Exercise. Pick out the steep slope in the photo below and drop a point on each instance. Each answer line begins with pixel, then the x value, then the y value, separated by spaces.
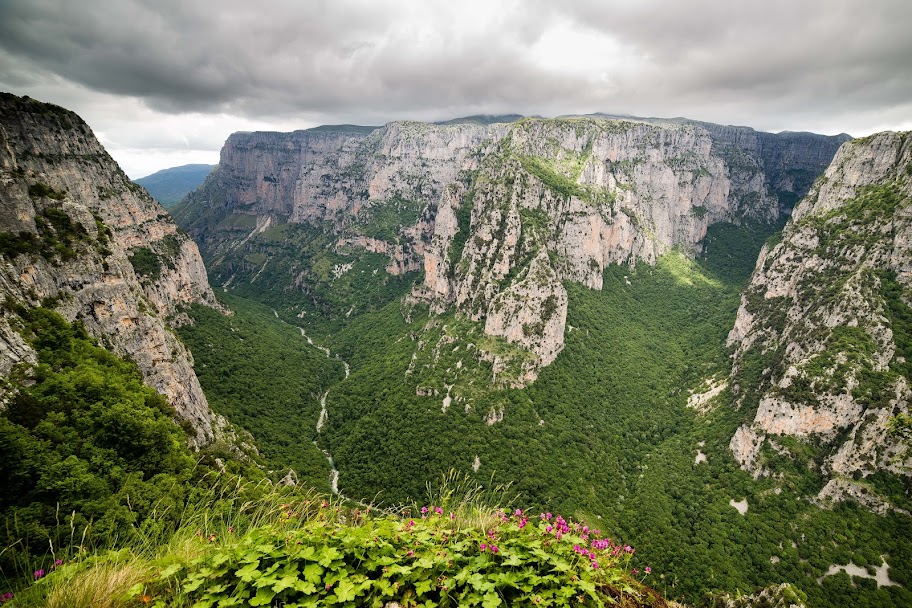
pixel 78 235
pixel 824 333
pixel 497 215
pixel 170 186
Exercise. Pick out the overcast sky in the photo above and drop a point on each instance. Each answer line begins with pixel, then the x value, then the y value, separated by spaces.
pixel 164 82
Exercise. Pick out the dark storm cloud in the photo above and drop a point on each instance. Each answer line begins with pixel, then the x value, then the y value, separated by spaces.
pixel 273 57
pixel 769 64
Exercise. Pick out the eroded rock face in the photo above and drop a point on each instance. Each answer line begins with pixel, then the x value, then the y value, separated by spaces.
pixel 480 208
pixel 578 195
pixel 820 318
pixel 86 221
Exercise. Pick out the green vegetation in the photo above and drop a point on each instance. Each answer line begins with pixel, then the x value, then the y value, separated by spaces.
pixel 562 184
pixel 146 262
pixel 39 190
pixel 305 277
pixel 265 545
pixel 62 118
pixel 464 224
pixel 383 220
pixel 87 452
pixel 58 237
pixel 432 560
pixel 261 374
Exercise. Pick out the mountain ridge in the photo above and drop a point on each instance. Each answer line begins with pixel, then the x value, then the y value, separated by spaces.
pixel 78 233
pixel 169 186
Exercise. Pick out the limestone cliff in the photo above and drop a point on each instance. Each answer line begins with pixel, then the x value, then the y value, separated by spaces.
pixel 497 215
pixel 563 199
pixel 343 177
pixel 77 234
pixel 822 337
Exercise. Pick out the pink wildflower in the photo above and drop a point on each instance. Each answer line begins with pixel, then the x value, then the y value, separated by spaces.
pixel 39 573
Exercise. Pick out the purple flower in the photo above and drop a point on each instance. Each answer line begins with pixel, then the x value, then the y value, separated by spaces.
pixel 494 549
pixel 595 564
pixel 59 562
pixel 424 510
pixel 548 528
pixel 438 510
pixel 6 596
pixel 39 573
pixel 482 546
pixel 648 569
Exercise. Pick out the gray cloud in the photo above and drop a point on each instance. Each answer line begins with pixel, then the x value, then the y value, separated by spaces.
pixel 829 65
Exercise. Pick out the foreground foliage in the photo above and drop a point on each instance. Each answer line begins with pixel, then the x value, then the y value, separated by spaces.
pixel 432 560
pixel 266 545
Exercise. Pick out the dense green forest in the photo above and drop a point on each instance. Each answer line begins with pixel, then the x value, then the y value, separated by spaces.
pixel 87 451
pixel 604 434
pixel 261 374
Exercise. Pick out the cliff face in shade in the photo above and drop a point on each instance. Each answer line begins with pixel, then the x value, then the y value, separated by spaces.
pixel 822 335
pixel 78 234
pixel 498 215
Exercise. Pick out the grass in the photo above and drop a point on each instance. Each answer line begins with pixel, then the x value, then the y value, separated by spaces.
pixel 265 544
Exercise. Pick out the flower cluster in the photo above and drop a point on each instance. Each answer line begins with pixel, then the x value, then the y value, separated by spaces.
pixel 559 527
pixel 6 597
pixel 432 509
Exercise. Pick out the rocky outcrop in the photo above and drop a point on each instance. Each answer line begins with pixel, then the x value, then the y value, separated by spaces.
pixel 498 215
pixel 563 199
pixel 78 235
pixel 822 335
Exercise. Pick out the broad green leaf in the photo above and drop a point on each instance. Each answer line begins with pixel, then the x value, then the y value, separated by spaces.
pixel 328 555
pixel 286 582
pixel 424 586
pixel 313 573
pixel 345 591
pixel 249 572
pixel 263 597
pixel 305 587
pixel 170 571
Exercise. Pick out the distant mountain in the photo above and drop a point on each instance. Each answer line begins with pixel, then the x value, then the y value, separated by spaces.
pixel 169 186
pixel 482 119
